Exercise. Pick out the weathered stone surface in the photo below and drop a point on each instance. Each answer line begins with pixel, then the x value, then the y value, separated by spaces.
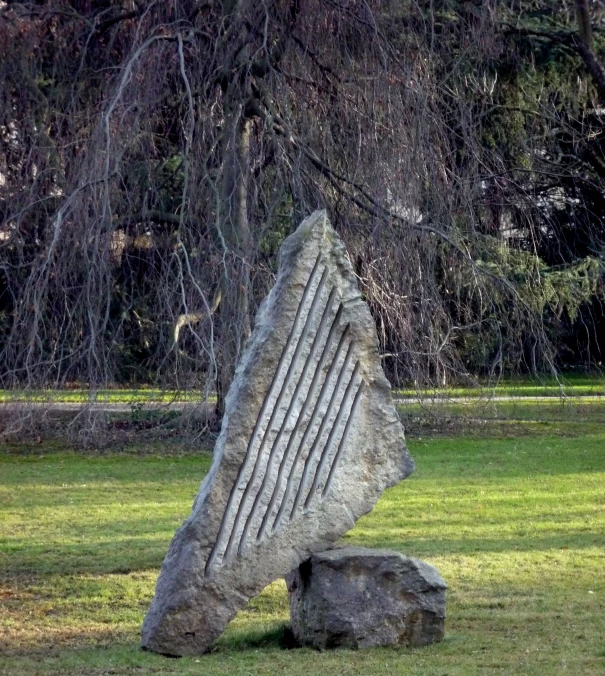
pixel 309 441
pixel 359 598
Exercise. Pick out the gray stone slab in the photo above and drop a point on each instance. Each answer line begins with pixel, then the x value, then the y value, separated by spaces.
pixel 354 597
pixel 310 439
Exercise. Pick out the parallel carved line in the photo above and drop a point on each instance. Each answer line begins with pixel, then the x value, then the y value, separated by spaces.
pixel 276 408
pixel 325 455
pixel 316 442
pixel 291 337
pixel 275 446
pixel 303 411
pixel 343 440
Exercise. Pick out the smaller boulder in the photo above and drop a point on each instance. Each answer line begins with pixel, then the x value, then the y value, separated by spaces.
pixel 353 597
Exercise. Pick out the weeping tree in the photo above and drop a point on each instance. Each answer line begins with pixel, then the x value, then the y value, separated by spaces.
pixel 154 156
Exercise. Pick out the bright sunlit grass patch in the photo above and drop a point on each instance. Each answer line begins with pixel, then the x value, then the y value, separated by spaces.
pixel 564 411
pixel 567 385
pixel 516 526
pixel 135 397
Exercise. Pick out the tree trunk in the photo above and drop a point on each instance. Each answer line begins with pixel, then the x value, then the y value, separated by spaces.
pixel 234 235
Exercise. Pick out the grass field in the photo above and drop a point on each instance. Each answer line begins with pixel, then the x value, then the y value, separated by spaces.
pixel 521 411
pixel 568 385
pixel 115 396
pixel 514 522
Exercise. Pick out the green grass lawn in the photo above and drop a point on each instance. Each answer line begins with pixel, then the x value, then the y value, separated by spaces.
pixel 515 525
pixel 562 411
pixel 115 396
pixel 568 385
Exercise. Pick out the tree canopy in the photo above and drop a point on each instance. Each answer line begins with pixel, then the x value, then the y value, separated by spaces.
pixel 154 155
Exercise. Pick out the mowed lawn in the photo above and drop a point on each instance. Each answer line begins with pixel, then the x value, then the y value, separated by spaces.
pixel 515 525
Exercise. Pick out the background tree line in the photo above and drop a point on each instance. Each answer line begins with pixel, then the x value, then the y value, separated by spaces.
pixel 154 155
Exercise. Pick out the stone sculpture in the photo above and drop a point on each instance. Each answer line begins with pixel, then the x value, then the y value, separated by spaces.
pixel 353 597
pixel 310 439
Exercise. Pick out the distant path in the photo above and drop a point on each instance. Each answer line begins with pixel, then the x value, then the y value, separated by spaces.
pixel 487 400
pixel 102 406
pixel 108 407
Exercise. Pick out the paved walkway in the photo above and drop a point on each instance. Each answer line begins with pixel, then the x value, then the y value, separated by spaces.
pixel 109 407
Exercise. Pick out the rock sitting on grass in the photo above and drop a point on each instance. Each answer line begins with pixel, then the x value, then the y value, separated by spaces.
pixel 310 439
pixel 361 598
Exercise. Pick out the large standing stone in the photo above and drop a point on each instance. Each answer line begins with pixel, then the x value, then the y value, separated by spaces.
pixel 360 598
pixel 309 441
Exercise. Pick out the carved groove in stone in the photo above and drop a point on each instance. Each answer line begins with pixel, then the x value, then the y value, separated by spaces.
pixel 343 440
pixel 302 380
pixel 327 450
pixel 317 453
pixel 264 410
pixel 276 409
pixel 308 401
pixel 316 442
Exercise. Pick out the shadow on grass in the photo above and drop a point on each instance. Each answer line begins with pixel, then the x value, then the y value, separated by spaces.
pixel 279 635
pixel 54 642
pixel 70 470
pixel 470 546
pixel 87 558
pixel 83 558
